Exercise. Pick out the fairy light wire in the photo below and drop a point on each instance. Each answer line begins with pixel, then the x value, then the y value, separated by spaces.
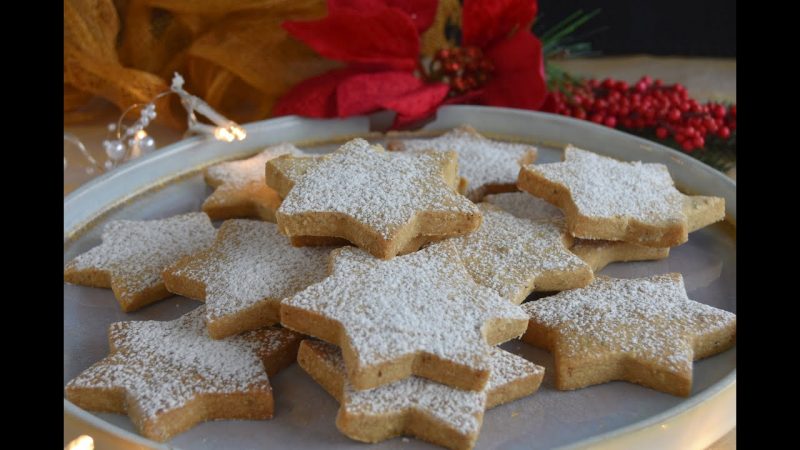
pixel 132 140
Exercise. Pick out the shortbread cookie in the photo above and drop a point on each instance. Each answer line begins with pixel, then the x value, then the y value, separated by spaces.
pixel 596 253
pixel 169 376
pixel 417 314
pixel 488 166
pixel 240 188
pixel 603 198
pixel 377 200
pixel 415 406
pixel 135 252
pixel 324 241
pixel 284 171
pixel 244 276
pixel 514 256
pixel 643 330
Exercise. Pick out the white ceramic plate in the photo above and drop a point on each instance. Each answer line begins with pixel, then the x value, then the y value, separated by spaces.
pixel 612 415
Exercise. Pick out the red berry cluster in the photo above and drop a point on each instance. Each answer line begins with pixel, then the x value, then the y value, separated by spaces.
pixel 463 68
pixel 647 104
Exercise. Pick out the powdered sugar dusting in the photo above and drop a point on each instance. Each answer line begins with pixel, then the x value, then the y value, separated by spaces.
pixel 647 318
pixel 237 174
pixel 136 252
pixel 525 206
pixel 507 368
pixel 461 409
pixel 481 161
pixel 603 187
pixel 420 302
pixel 251 262
pixel 508 254
pixel 380 189
pixel 163 365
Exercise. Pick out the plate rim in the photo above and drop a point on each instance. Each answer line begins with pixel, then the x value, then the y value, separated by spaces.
pixel 687 406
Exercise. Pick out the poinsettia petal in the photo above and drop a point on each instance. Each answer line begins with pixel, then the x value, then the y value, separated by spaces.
pixel 314 97
pixel 485 22
pixel 418 104
pixel 399 91
pixel 366 92
pixel 549 104
pixel 468 97
pixel 518 80
pixel 421 12
pixel 383 38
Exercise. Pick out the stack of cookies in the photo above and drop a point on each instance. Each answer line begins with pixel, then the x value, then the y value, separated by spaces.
pixel 391 277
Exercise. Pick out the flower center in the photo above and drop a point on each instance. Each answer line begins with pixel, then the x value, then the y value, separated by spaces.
pixel 463 68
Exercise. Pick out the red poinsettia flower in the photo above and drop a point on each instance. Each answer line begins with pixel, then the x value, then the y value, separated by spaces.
pixel 501 28
pixel 379 41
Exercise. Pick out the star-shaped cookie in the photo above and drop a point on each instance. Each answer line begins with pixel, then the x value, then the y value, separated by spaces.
pixel 643 330
pixel 603 198
pixel 240 190
pixel 515 256
pixel 169 376
pixel 135 252
pixel 415 406
pixel 245 274
pixel 379 201
pixel 419 314
pixel 488 166
pixel 597 253
pixel 281 175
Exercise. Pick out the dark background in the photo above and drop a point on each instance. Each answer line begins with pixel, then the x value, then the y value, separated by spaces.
pixel 658 27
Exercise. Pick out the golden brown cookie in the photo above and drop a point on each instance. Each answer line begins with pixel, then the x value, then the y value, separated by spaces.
pixel 281 174
pixel 417 314
pixel 415 406
pixel 515 256
pixel 643 330
pixel 603 198
pixel 240 190
pixel 379 201
pixel 488 166
pixel 169 376
pixel 244 276
pixel 596 253
pixel 135 252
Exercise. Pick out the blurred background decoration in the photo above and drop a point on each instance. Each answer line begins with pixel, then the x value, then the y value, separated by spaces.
pixel 233 53
pixel 238 56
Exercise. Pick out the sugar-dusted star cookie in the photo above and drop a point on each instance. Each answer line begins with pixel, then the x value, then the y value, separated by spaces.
pixel 596 253
pixel 284 171
pixel 135 252
pixel 488 166
pixel 603 198
pixel 245 274
pixel 379 201
pixel 417 314
pixel 515 256
pixel 240 190
pixel 643 330
pixel 169 376
pixel 415 406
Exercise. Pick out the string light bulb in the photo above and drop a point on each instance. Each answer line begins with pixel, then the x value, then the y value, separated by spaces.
pixel 82 442
pixel 230 133
pixel 132 141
